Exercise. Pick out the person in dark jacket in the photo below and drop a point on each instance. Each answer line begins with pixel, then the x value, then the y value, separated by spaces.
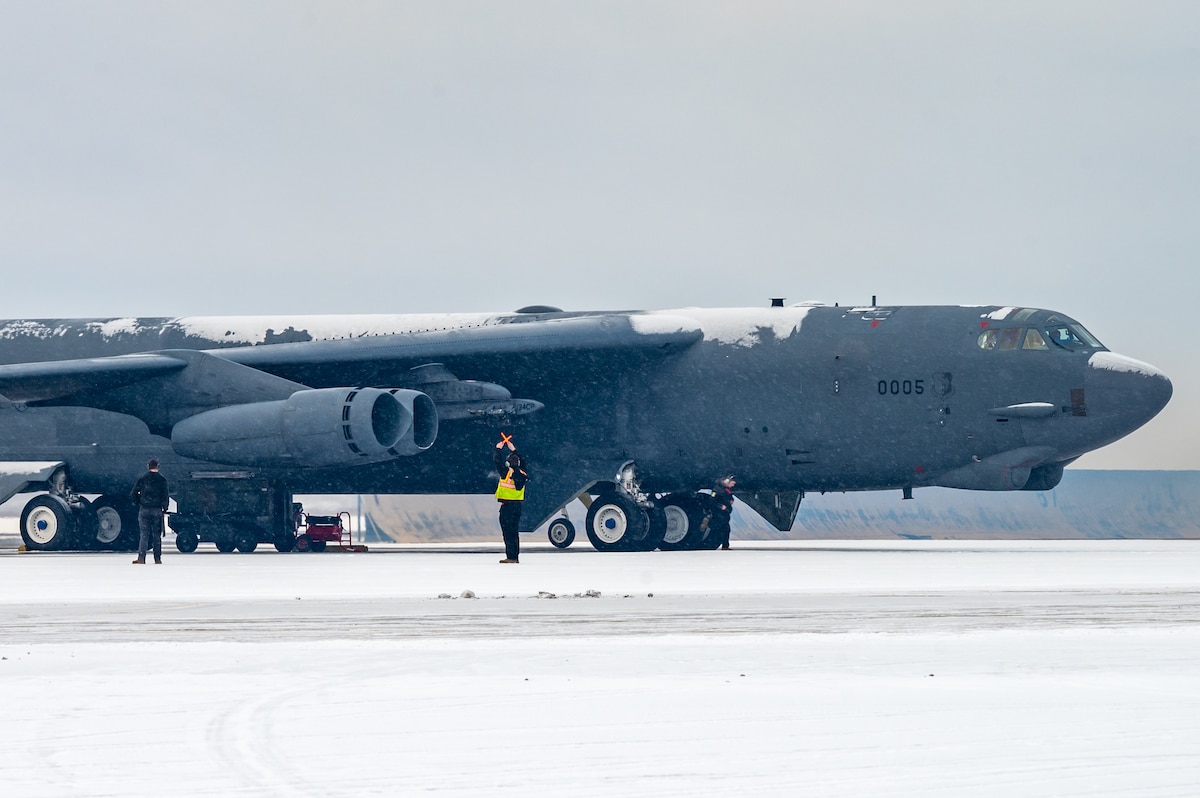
pixel 510 492
pixel 151 495
pixel 722 509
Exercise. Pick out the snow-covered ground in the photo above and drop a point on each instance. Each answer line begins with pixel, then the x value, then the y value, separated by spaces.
pixel 804 668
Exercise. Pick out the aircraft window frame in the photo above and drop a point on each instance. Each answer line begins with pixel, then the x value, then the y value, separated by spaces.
pixel 1024 314
pixel 988 339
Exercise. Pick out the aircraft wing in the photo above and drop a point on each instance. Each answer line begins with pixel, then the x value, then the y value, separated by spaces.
pixel 163 387
pixel 16 476
pixel 36 382
pixel 375 360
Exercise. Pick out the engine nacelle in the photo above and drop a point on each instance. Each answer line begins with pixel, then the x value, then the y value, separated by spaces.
pixel 1005 471
pixel 1045 477
pixel 424 422
pixel 314 428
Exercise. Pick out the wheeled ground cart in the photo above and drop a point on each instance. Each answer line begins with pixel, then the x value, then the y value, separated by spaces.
pixel 315 532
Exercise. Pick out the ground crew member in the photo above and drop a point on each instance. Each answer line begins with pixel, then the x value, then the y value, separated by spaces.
pixel 510 492
pixel 722 509
pixel 151 496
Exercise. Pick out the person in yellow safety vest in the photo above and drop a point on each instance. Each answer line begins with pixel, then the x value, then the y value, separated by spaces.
pixel 510 492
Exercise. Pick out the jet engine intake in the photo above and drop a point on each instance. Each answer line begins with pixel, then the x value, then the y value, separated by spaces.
pixel 313 428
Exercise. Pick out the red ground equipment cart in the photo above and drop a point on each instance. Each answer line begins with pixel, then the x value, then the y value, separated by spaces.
pixel 314 532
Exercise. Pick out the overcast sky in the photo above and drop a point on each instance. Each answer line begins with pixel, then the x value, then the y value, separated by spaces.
pixel 258 157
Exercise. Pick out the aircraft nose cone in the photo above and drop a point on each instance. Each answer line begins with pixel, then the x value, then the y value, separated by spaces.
pixel 1128 391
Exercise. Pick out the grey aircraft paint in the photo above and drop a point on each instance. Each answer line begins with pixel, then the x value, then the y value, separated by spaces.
pixel 640 410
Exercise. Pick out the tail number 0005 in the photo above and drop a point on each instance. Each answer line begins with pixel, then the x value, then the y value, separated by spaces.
pixel 901 387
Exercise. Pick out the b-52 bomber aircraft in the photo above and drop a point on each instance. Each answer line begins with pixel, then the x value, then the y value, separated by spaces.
pixel 634 412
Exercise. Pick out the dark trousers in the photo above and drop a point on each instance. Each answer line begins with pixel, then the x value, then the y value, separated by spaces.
pixel 719 528
pixel 150 522
pixel 510 527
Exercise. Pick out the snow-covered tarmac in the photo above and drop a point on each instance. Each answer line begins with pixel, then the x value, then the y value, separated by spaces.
pixel 866 668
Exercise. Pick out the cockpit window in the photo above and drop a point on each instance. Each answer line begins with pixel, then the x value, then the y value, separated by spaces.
pixel 1072 337
pixel 1034 340
pixel 1024 314
pixel 1009 339
pixel 1005 339
pixel 1092 341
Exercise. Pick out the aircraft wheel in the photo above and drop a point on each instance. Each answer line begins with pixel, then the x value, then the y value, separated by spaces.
pixel 225 546
pixel 109 522
pixel 684 518
pixel 86 528
pixel 285 543
pixel 318 545
pixel 47 523
pixel 303 543
pixel 561 533
pixel 616 523
pixel 116 523
pixel 186 542
pixel 245 541
pixel 656 531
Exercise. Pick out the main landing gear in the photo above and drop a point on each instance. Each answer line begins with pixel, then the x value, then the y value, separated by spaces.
pixel 624 517
pixel 62 519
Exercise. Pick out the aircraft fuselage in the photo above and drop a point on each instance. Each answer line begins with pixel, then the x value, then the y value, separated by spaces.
pixel 791 400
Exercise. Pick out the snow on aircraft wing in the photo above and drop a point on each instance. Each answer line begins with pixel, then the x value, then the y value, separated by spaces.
pixel 386 353
pixel 370 360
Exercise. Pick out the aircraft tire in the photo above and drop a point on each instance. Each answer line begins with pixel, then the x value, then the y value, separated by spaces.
pixel 245 541
pixel 186 542
pixel 116 523
pixel 561 533
pixel 225 545
pixel 47 523
pixel 684 517
pixel 657 529
pixel 285 543
pixel 109 521
pixel 86 528
pixel 616 523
